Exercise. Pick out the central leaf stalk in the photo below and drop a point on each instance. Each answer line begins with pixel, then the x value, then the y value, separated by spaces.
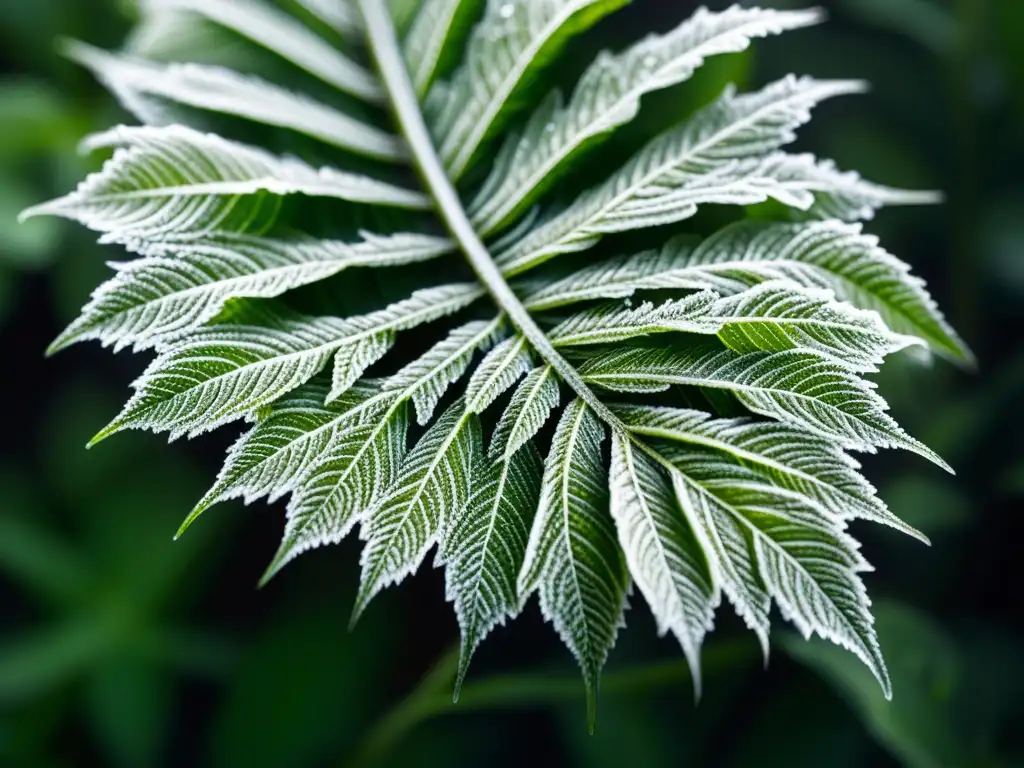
pixel 383 43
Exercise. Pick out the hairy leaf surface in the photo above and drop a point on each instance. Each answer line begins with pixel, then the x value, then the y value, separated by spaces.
pixel 416 400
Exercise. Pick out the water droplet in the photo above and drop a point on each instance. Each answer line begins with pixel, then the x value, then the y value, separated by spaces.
pixel 549 128
pixel 628 302
pixel 650 62
pixel 507 10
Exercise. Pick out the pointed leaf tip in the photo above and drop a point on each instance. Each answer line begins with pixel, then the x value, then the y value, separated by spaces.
pixel 591 708
pixel 201 507
pixel 281 559
pixel 112 429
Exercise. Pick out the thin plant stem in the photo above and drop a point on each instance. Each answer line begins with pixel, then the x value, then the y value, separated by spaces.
pixel 432 697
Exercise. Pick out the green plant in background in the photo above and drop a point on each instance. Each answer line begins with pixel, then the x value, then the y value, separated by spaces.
pixel 696 401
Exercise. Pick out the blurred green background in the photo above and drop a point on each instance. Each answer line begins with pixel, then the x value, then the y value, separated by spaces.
pixel 121 648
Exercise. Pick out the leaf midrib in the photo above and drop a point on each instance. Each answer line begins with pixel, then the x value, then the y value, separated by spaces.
pixel 600 124
pixel 471 143
pixel 383 44
pixel 524 262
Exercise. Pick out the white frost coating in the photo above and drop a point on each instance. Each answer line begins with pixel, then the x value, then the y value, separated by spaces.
pixel 612 323
pixel 177 184
pixel 484 546
pixel 503 49
pixel 432 485
pixel 819 255
pixel 797 387
pixel 665 555
pixel 608 96
pixel 531 406
pixel 573 559
pixel 718 156
pixel 425 41
pixel 280 448
pixel 180 287
pixel 283 35
pixel 779 315
pixel 340 487
pixel 220 373
pixel 223 90
pixel 789 458
pixel 431 375
pixel 497 373
pixel 805 561
pixel 374 332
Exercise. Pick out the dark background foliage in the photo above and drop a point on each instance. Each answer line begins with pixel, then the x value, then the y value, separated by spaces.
pixel 121 648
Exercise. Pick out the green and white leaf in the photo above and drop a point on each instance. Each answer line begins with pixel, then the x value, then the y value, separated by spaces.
pixel 367 338
pixel 156 298
pixel 484 547
pixel 788 457
pixel 718 156
pixel 693 505
pixel 573 559
pixel 828 255
pixel 177 184
pixel 612 323
pixel 283 35
pixel 511 43
pixel 357 465
pixel 500 369
pixel 281 447
pixel 779 315
pixel 223 90
pixel 429 40
pixel 222 372
pixel 796 387
pixel 728 547
pixel 608 96
pixel 529 410
pixel 664 550
pixel 838 194
pixel 431 487
pixel 807 564
pixel 340 15
pixel 429 377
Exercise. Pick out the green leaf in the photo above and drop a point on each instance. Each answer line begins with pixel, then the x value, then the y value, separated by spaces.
pixel 512 42
pixel 789 458
pixel 611 323
pixel 484 547
pixel 498 372
pixel 283 445
pixel 796 387
pixel 664 550
pixel 142 87
pixel 531 406
pixel 162 296
pixel 719 156
pixel 608 96
pixel 283 35
pixel 431 487
pixel 783 547
pixel 573 560
pixel 692 505
pixel 176 184
pixel 220 373
pixel 429 377
pixel 342 485
pixel 779 315
pixel 829 255
pixel 431 43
